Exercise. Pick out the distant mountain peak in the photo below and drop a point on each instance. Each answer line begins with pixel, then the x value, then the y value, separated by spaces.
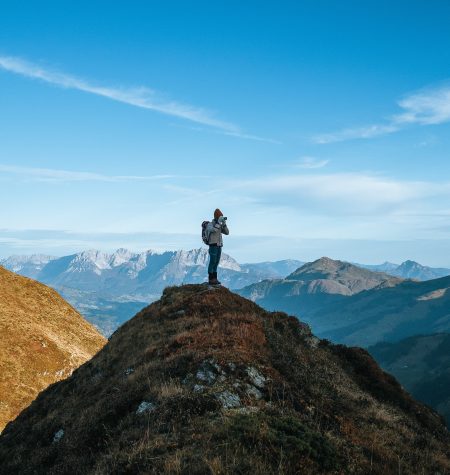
pixel 327 262
pixel 326 267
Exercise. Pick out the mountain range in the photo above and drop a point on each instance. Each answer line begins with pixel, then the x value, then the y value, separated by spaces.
pixel 205 381
pixel 323 283
pixel 409 270
pixel 43 339
pixel 110 288
pixel 143 274
pixel 350 305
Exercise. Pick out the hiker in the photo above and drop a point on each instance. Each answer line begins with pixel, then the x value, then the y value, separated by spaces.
pixel 215 229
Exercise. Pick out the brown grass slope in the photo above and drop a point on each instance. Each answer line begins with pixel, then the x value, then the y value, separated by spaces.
pixel 206 382
pixel 42 340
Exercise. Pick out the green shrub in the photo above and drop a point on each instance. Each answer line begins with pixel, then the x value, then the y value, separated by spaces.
pixel 283 437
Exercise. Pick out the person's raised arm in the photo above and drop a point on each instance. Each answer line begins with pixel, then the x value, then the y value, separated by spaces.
pixel 223 225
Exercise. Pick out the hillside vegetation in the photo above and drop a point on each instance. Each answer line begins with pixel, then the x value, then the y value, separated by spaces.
pixel 204 381
pixel 43 339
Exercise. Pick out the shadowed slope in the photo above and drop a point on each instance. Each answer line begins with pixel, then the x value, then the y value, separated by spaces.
pixel 206 382
pixel 388 314
pixel 422 364
pixel 43 339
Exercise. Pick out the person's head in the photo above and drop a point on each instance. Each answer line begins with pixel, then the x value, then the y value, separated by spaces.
pixel 217 214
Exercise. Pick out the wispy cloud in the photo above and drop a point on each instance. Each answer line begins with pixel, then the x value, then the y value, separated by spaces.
pixel 310 163
pixel 142 97
pixel 425 107
pixel 366 132
pixel 342 194
pixel 428 106
pixel 242 135
pixel 52 175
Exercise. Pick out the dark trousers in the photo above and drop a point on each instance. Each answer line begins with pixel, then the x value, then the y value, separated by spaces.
pixel 214 257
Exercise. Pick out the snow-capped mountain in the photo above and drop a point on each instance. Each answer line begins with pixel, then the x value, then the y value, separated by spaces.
pixel 146 274
pixel 108 288
pixel 29 266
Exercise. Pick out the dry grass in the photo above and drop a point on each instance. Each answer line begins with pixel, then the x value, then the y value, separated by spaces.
pixel 43 339
pixel 171 388
pixel 172 464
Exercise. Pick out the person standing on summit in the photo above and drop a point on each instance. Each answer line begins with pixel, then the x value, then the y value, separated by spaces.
pixel 215 229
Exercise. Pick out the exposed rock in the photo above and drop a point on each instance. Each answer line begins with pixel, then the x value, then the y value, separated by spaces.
pixel 253 392
pixel 256 378
pixel 208 372
pixel 145 406
pixel 229 400
pixel 312 341
pixel 58 436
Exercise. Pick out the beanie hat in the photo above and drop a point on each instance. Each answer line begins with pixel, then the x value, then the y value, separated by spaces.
pixel 217 213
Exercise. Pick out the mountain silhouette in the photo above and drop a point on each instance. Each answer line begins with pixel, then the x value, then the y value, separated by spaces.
pixel 205 381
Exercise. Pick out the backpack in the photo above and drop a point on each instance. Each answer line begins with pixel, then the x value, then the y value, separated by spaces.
pixel 205 233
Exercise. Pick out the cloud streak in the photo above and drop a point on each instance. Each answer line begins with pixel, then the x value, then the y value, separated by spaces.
pixel 52 175
pixel 429 106
pixel 366 132
pixel 342 193
pixel 310 163
pixel 142 97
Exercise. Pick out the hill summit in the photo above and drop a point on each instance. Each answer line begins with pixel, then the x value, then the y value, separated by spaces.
pixel 43 339
pixel 314 286
pixel 339 277
pixel 204 381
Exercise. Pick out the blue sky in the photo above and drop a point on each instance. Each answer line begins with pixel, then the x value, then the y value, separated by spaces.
pixel 319 127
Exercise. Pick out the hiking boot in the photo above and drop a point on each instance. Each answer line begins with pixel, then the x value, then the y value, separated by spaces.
pixel 216 282
pixel 212 279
